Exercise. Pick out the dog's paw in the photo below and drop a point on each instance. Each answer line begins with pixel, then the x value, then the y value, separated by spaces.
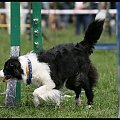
pixel 89 106
pixel 36 102
pixel 78 102
pixel 57 107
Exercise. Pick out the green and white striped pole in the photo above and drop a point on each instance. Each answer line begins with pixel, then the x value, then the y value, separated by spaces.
pixel 37 31
pixel 118 37
pixel 13 91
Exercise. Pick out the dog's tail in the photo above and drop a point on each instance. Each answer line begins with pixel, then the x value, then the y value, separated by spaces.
pixel 93 32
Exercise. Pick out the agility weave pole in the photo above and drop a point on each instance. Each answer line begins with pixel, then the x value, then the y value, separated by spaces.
pixel 118 37
pixel 37 31
pixel 13 91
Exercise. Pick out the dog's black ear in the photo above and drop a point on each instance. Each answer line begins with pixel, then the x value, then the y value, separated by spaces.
pixel 58 55
pixel 77 45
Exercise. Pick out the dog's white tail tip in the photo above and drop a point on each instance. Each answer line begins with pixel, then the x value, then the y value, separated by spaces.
pixel 101 15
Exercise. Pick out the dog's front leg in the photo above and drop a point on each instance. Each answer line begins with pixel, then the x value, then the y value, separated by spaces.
pixel 41 93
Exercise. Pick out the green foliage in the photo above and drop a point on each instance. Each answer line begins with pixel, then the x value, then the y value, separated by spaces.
pixel 105 92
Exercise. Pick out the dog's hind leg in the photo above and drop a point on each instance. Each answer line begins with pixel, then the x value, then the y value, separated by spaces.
pixel 82 81
pixel 89 93
pixel 77 97
pixel 72 84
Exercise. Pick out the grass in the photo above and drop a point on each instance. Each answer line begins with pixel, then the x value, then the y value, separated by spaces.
pixel 106 91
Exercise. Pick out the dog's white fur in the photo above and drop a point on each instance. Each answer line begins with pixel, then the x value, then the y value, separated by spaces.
pixel 41 79
pixel 101 15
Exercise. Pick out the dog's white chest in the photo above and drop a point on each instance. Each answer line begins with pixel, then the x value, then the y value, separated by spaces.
pixel 36 82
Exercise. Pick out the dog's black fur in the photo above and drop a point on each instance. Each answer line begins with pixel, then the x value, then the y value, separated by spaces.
pixel 69 63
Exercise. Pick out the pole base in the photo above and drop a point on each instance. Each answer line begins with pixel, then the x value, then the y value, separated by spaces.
pixel 10 100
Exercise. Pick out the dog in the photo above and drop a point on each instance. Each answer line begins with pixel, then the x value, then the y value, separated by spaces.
pixel 66 64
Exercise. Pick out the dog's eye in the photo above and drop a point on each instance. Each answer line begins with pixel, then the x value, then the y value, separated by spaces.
pixel 11 65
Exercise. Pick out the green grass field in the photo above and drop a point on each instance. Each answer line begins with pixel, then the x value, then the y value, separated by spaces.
pixel 106 91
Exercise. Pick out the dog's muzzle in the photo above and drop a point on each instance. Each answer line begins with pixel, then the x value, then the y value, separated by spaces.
pixel 7 77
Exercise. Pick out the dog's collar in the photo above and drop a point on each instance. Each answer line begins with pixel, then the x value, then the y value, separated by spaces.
pixel 29 71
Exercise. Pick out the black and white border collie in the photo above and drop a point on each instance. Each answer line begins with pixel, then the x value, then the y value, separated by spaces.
pixel 67 64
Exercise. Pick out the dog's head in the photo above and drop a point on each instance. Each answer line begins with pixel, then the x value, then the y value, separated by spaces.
pixel 12 69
